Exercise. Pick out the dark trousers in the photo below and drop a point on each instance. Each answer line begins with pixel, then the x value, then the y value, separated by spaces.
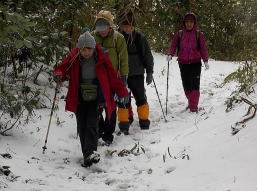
pixel 190 75
pixel 107 126
pixel 136 85
pixel 87 125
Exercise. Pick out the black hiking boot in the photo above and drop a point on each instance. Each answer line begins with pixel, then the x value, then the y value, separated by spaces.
pixel 91 159
pixel 107 142
pixel 125 131
pixel 144 124
pixel 124 128
pixel 108 139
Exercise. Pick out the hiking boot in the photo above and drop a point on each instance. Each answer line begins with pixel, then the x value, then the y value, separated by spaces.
pixel 124 127
pixel 107 142
pixel 144 124
pixel 91 159
pixel 101 142
pixel 194 110
pixel 125 131
pixel 108 139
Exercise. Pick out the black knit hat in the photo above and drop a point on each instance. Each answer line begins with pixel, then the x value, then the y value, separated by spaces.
pixel 125 17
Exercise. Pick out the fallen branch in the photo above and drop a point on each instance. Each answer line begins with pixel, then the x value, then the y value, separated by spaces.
pixel 18 118
pixel 251 106
pixel 251 115
pixel 4 170
pixel 37 74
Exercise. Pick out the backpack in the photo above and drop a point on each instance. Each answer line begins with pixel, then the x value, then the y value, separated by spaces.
pixel 115 43
pixel 180 32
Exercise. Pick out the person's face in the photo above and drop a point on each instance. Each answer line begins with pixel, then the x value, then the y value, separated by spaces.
pixel 189 23
pixel 87 52
pixel 128 29
pixel 104 33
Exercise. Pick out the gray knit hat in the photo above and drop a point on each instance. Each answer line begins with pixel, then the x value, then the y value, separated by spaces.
pixel 86 40
pixel 101 25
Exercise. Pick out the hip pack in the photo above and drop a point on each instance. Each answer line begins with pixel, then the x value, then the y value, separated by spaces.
pixel 88 91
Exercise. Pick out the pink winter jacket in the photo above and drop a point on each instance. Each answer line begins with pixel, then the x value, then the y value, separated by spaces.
pixel 189 52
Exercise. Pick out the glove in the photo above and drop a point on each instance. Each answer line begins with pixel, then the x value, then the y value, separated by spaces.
pixel 149 78
pixel 124 100
pixel 124 79
pixel 168 58
pixel 57 78
pixel 206 65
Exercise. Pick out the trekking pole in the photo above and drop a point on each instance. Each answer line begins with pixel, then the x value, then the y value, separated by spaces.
pixel 55 93
pixel 159 100
pixel 49 123
pixel 167 90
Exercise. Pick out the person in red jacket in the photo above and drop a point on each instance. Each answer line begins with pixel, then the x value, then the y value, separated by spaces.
pixel 92 79
pixel 191 48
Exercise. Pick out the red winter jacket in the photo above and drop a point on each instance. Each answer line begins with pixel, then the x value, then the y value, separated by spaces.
pixel 189 52
pixel 108 79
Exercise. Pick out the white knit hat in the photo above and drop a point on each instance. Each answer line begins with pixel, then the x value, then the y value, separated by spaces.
pixel 86 40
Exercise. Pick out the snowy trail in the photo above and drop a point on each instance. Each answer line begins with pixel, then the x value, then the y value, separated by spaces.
pixel 203 138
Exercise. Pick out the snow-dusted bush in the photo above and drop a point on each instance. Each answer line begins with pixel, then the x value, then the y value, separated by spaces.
pixel 246 78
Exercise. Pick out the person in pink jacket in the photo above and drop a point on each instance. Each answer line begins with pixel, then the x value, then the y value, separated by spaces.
pixel 191 48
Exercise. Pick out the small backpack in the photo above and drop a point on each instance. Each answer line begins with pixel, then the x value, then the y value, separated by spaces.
pixel 180 32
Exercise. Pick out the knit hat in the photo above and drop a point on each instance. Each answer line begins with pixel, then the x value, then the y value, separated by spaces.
pixel 86 40
pixel 101 25
pixel 106 15
pixel 125 17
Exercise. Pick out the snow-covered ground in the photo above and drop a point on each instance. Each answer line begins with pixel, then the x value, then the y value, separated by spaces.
pixel 189 152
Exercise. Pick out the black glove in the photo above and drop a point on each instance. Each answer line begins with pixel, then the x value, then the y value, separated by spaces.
pixel 149 78
pixel 124 79
pixel 57 78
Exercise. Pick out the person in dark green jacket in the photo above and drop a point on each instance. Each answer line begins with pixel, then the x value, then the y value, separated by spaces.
pixel 115 45
pixel 140 61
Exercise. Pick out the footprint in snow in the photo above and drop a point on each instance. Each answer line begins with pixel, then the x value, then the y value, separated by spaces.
pixel 60 167
pixel 73 136
pixel 123 186
pixel 35 181
pixel 64 150
pixel 111 181
pixel 63 140
pixel 170 169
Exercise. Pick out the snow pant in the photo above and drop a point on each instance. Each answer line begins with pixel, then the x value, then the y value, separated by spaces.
pixel 190 75
pixel 107 126
pixel 136 85
pixel 87 125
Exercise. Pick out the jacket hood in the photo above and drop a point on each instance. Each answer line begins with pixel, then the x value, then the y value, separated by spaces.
pixel 106 15
pixel 192 15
